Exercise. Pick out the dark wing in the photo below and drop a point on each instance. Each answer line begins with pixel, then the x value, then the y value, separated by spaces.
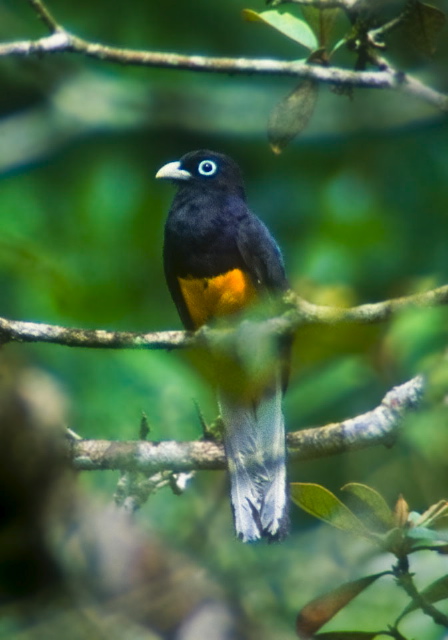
pixel 174 287
pixel 261 255
pixel 264 262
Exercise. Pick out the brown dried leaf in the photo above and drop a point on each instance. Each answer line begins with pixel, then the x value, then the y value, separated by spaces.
pixel 292 114
pixel 319 611
pixel 422 26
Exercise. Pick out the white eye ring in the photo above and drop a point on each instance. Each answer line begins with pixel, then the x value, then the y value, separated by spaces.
pixel 207 168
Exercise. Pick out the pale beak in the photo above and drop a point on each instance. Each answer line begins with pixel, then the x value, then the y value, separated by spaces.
pixel 173 171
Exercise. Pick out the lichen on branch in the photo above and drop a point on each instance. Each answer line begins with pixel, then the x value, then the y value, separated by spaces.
pixel 377 427
pixel 298 313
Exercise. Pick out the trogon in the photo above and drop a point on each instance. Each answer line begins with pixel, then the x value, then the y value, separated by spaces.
pixel 219 259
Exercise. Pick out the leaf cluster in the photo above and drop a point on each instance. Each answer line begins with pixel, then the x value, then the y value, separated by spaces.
pixel 396 531
pixel 366 29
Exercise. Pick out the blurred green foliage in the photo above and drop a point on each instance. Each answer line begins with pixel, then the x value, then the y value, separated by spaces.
pixel 358 205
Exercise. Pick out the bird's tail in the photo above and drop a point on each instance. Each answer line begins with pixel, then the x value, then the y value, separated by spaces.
pixel 255 448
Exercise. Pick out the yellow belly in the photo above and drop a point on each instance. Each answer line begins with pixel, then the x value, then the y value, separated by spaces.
pixel 209 298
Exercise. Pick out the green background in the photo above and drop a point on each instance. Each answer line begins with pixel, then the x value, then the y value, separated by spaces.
pixel 358 204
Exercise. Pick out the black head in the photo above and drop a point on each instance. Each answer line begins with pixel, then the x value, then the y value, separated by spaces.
pixel 206 169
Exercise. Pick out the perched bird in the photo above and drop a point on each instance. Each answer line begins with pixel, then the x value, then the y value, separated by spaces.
pixel 219 258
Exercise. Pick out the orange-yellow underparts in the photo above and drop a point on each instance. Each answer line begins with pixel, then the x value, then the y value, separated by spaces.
pixel 208 298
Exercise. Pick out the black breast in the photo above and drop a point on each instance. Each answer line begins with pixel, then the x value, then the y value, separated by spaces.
pixel 201 232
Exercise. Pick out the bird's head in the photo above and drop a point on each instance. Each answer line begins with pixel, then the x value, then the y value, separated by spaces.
pixel 204 168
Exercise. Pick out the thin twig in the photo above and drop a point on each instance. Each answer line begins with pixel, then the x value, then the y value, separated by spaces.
pixel 133 491
pixel 45 15
pixel 370 313
pixel 405 580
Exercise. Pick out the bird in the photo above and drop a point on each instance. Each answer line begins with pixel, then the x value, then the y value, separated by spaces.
pixel 219 260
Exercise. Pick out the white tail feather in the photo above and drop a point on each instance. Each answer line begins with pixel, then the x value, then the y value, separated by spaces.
pixel 255 449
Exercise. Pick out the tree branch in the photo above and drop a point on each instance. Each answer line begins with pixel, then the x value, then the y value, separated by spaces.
pixel 317 4
pixel 45 15
pixel 379 426
pixel 377 312
pixel 17 331
pixel 405 580
pixel 62 41
pixel 299 313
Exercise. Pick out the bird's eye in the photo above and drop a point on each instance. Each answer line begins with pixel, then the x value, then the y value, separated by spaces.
pixel 207 168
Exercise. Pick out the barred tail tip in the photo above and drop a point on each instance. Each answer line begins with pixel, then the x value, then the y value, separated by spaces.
pixel 255 449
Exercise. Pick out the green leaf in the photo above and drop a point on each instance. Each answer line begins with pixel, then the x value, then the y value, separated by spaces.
pixel 292 114
pixel 394 540
pixel 422 25
pixel 434 592
pixel 323 608
pixel 285 23
pixel 424 534
pixel 437 590
pixel 375 512
pixel 340 43
pixel 321 503
pixel 321 22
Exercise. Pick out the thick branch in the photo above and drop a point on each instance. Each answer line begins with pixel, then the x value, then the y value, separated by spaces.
pixel 378 426
pixel 300 313
pixel 17 331
pixel 63 41
pixel 70 43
